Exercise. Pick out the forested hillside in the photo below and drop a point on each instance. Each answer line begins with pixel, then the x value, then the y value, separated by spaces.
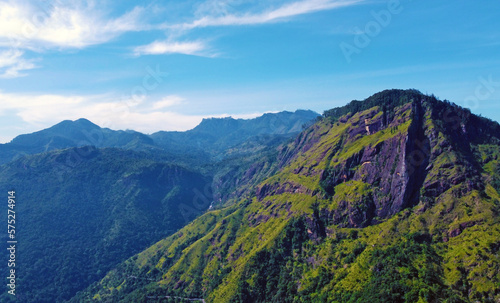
pixel 76 222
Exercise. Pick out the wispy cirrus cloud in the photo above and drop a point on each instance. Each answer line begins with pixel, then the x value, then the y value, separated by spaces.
pixel 217 13
pixel 29 25
pixel 12 64
pixel 280 13
pixel 37 27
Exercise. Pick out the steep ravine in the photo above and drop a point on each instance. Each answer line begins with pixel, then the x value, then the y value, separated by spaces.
pixel 417 155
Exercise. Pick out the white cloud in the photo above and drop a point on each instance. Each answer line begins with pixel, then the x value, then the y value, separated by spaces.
pixel 72 25
pixel 215 7
pixel 28 25
pixel 245 116
pixel 78 24
pixel 273 15
pixel 12 63
pixel 168 101
pixel 40 109
pixel 216 13
pixel 166 47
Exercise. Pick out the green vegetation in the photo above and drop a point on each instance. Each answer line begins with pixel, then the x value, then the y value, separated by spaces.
pixel 86 207
pixel 393 199
pixel 79 219
pixel 333 223
pixel 387 99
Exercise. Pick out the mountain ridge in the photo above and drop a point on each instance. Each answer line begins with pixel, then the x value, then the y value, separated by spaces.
pixel 215 135
pixel 382 200
pixel 82 132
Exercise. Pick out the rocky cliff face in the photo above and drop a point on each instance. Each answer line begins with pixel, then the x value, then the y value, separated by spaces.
pixel 367 148
pixel 408 158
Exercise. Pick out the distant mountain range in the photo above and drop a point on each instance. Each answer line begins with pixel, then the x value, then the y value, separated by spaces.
pixel 215 135
pixel 210 138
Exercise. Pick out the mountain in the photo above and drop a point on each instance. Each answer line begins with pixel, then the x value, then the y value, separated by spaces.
pixel 81 211
pixel 390 199
pixel 67 134
pixel 214 136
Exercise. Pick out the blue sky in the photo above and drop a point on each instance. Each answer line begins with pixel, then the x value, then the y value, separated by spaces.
pixel 164 65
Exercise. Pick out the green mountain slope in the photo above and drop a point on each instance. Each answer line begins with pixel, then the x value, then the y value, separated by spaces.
pixel 81 211
pixel 394 199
